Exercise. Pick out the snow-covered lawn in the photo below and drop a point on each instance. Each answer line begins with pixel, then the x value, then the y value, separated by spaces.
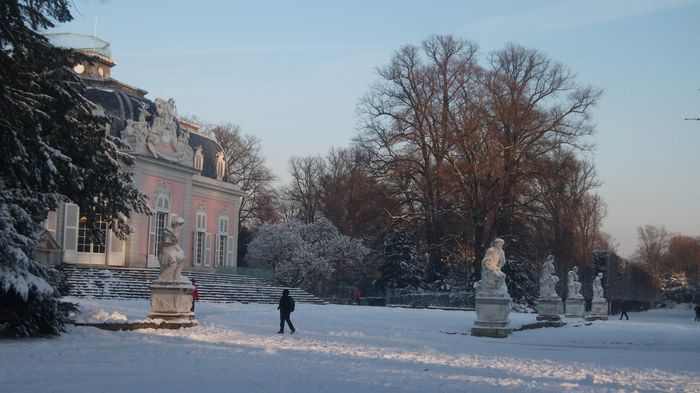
pixel 356 349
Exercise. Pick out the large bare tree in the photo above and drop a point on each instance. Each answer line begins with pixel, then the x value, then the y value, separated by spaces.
pixel 534 106
pixel 684 256
pixel 352 198
pixel 302 196
pixel 407 121
pixel 246 168
pixel 652 247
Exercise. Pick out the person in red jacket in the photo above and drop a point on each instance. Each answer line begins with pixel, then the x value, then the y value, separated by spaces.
pixel 358 296
pixel 195 295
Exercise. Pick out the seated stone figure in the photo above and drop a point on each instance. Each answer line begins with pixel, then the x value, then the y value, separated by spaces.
pixel 171 257
pixel 548 280
pixel 598 288
pixel 493 280
pixel 573 285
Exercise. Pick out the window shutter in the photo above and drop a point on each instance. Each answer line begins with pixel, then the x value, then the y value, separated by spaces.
pixel 70 232
pixel 194 248
pixel 152 234
pixel 51 222
pixel 116 244
pixel 217 261
pixel 207 249
pixel 229 252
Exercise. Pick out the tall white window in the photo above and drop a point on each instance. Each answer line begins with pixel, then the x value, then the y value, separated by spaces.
pixel 158 221
pixel 79 248
pixel 222 240
pixel 202 240
pixel 85 244
pixel 161 217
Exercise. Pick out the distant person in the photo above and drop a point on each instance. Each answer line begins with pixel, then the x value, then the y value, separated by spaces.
pixel 623 311
pixel 358 296
pixel 286 307
pixel 195 294
pixel 697 312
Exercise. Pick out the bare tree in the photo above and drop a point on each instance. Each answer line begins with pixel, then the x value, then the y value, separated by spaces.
pixel 567 214
pixel 588 223
pixel 471 152
pixel 684 256
pixel 534 107
pixel 352 198
pixel 246 168
pixel 302 196
pixel 407 121
pixel 653 245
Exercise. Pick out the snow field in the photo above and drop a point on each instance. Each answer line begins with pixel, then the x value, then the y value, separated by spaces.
pixel 355 349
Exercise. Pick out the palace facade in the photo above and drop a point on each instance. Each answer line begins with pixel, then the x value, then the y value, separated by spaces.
pixel 182 171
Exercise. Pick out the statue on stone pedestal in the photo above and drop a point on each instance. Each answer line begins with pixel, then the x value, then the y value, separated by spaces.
pixel 493 280
pixel 573 285
pixel 171 256
pixel 548 280
pixel 598 288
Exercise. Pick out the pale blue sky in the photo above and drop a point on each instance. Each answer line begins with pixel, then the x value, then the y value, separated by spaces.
pixel 292 72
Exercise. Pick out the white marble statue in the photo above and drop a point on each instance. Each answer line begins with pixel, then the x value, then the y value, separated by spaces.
pixel 548 280
pixel 171 256
pixel 598 288
pixel 493 280
pixel 573 285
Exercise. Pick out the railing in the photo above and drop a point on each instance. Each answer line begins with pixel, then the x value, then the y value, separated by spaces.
pixel 420 298
pixel 261 274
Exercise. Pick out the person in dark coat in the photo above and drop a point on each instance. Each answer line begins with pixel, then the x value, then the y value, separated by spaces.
pixel 286 307
pixel 623 311
pixel 195 295
pixel 697 312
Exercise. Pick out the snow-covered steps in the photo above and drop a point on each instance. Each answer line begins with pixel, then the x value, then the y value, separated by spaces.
pixel 132 283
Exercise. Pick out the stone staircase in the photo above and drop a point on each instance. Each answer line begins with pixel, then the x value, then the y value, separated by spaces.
pixel 132 283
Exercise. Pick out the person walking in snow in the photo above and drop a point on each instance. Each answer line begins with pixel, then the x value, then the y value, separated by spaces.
pixel 697 312
pixel 286 307
pixel 195 295
pixel 623 312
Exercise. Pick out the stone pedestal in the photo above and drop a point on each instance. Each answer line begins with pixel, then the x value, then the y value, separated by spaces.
pixel 599 311
pixel 172 303
pixel 549 309
pixel 492 317
pixel 574 308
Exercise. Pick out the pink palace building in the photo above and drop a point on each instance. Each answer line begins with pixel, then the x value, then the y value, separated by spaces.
pixel 182 171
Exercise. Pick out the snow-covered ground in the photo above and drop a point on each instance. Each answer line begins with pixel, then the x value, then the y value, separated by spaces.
pixel 355 349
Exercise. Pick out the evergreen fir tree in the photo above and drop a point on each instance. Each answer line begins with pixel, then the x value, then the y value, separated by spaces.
pixel 402 267
pixel 54 149
pixel 522 278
